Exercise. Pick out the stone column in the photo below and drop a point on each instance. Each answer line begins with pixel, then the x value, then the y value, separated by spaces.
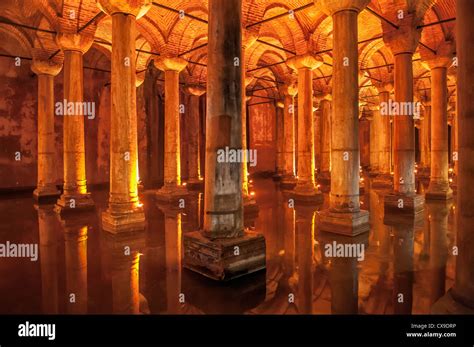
pixel 125 212
pixel 224 250
pixel 173 189
pixel 289 91
pixel 403 42
pixel 75 195
pixel 248 39
pixel 374 131
pixel 344 214
pixel 460 299
pixel 280 139
pixel 46 185
pixel 424 168
pixel 192 124
pixel 325 106
pixel 439 181
pixel 305 189
pixel 384 179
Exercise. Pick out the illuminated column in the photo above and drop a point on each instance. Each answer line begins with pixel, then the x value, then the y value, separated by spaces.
pixel 426 140
pixel 344 214
pixel 289 91
pixel 374 118
pixel 224 233
pixel 46 186
pixel 439 181
pixel 384 179
pixel 325 106
pixel 403 42
pixel 306 184
pixel 124 212
pixel 248 39
pixel 460 299
pixel 192 125
pixel 280 139
pixel 75 195
pixel 173 189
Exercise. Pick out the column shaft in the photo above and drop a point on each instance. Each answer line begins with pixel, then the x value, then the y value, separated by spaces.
pixel 404 131
pixel 325 107
pixel 426 138
pixel 279 140
pixel 345 160
pixel 384 138
pixel 193 132
pixel 172 147
pixel 289 137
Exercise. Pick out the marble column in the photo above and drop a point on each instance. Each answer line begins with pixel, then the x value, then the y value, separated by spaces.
pixel 289 91
pixel 403 42
pixel 425 164
pixel 124 212
pixel 460 299
pixel 173 188
pixel 75 195
pixel 374 131
pixel 305 189
pixel 384 179
pixel 46 185
pixel 344 215
pixel 224 249
pixel 280 138
pixel 325 106
pixel 439 181
pixel 195 179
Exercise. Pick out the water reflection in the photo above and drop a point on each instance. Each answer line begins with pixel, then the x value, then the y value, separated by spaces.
pixel 82 269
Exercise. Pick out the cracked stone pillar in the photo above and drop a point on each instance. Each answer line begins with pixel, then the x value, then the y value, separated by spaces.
pixel 289 91
pixel 46 185
pixel 124 212
pixel 344 215
pixel 425 162
pixel 403 42
pixel 195 180
pixel 460 299
pixel 75 195
pixel 173 189
pixel 305 189
pixel 224 249
pixel 383 179
pixel 325 107
pixel 439 181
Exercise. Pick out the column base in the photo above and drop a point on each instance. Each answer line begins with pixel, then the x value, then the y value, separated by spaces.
pixel 447 304
pixel 288 181
pixel 171 194
pixel 349 224
pixel 195 184
pixel 306 194
pixel 46 194
pixel 403 205
pixel 117 222
pixel 382 181
pixel 77 202
pixel 224 259
pixel 437 191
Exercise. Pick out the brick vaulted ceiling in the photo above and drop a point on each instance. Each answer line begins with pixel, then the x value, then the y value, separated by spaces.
pixel 300 26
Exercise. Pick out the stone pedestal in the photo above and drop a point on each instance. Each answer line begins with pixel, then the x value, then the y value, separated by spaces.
pixel 404 205
pixel 349 224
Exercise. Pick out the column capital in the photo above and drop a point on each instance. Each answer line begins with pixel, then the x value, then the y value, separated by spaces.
pixel 288 89
pixel 170 64
pixel 305 61
pixel 383 86
pixel 330 7
pixel 74 42
pixel 405 38
pixel 45 67
pixel 194 89
pixel 443 57
pixel 136 8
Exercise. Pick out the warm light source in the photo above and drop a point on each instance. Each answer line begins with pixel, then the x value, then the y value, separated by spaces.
pixel 252 193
